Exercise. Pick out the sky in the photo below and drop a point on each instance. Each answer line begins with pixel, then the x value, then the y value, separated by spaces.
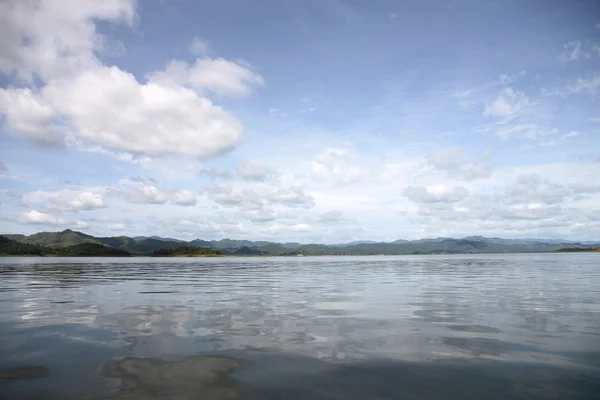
pixel 301 120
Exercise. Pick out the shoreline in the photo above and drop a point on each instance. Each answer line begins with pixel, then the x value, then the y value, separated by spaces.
pixel 282 256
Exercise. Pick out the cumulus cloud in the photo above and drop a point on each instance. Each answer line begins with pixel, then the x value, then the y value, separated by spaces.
pixel 435 194
pixel 255 172
pixel 109 107
pixel 340 166
pixel 475 170
pixel 80 99
pixel 140 193
pixel 39 218
pixel 530 203
pixel 3 167
pixel 55 39
pixel 450 158
pixel 292 197
pixel 256 200
pixel 531 189
pixel 64 200
pixel 81 224
pixel 230 197
pixel 29 115
pixel 260 216
pixel 216 75
pixel 453 161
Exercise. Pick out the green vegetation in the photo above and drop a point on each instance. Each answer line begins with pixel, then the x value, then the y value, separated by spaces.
pixel 74 243
pixel 187 251
pixel 577 249
pixel 59 239
pixel 91 250
pixel 10 247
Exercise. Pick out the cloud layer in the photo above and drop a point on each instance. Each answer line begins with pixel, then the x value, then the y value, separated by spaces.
pixel 378 125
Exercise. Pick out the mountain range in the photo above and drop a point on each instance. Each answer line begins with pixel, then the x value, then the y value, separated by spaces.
pixel 143 245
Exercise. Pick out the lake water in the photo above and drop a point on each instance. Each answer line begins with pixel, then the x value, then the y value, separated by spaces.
pixel 408 327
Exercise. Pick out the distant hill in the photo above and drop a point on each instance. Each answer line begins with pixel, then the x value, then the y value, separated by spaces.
pixel 356 242
pixel 164 239
pixel 149 245
pixel 58 239
pixel 201 243
pixel 91 250
pixel 9 247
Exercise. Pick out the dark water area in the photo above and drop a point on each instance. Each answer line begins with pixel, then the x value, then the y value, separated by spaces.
pixel 411 327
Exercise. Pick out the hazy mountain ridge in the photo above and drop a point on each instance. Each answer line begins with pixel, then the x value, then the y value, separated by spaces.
pixel 148 245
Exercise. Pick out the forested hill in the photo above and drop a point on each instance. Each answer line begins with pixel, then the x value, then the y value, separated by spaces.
pixel 10 247
pixel 149 245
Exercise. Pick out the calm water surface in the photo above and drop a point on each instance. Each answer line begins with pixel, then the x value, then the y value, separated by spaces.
pixel 412 327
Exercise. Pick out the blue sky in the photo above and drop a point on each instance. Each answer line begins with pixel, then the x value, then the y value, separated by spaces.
pixel 304 120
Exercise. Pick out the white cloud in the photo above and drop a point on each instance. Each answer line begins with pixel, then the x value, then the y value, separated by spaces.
pixel 199 47
pixel 3 167
pixel 79 98
pixel 256 200
pixel 475 170
pixel 29 115
pixel 333 217
pixel 508 103
pixel 140 193
pixel 571 134
pixel 81 224
pixel 109 107
pixel 452 160
pixel 116 226
pixel 341 166
pixel 591 85
pixel 255 172
pixel 435 194
pixel 532 189
pixel 260 216
pixel 580 187
pixel 230 197
pixel 216 75
pixel 64 200
pixel 54 39
pixel 292 197
pixel 40 218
